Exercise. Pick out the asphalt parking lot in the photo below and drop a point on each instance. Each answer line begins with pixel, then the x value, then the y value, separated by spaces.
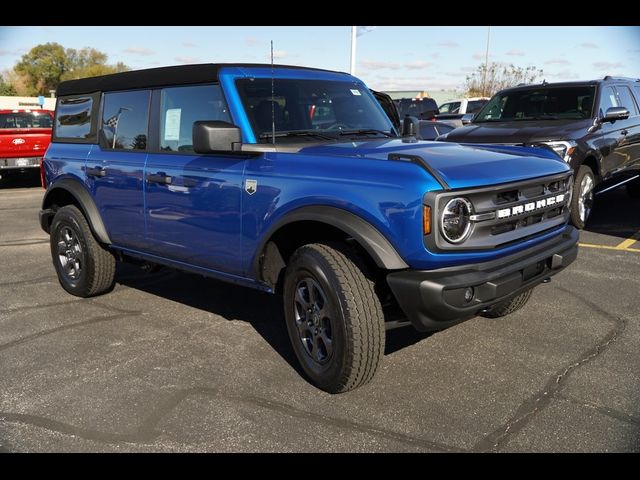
pixel 175 362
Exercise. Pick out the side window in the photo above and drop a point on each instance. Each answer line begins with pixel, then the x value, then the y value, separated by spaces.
pixel 73 118
pixel 636 91
pixel 626 100
pixel 180 107
pixel 608 99
pixel 125 119
pixel 446 107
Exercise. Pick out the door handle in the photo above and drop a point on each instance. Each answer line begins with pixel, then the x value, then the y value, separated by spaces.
pixel 159 177
pixel 624 132
pixel 96 172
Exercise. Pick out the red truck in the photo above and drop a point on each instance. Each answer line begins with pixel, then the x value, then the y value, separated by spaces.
pixel 24 137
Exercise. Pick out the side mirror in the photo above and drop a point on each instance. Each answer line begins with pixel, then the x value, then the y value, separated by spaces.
pixel 210 136
pixel 615 113
pixel 410 126
pixel 467 118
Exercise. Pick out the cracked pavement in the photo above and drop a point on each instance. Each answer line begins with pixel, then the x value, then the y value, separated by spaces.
pixel 173 362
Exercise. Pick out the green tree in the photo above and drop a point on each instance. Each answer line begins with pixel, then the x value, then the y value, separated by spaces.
pixel 6 88
pixel 484 82
pixel 46 65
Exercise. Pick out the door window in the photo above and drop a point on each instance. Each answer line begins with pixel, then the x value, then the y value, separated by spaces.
pixel 125 120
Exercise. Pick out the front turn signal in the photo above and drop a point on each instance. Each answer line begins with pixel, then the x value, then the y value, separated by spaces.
pixel 426 219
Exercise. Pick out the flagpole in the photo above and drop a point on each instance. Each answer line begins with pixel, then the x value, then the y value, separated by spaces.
pixel 352 70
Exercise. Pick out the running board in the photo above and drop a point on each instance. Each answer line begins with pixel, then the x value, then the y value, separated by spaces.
pixel 617 185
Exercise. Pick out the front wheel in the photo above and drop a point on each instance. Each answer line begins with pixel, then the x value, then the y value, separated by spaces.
pixel 334 317
pixel 582 200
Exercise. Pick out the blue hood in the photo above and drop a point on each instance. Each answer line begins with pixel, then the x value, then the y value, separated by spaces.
pixel 461 166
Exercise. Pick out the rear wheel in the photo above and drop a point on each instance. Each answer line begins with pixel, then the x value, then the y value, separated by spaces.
pixel 334 317
pixel 509 306
pixel 84 267
pixel 582 200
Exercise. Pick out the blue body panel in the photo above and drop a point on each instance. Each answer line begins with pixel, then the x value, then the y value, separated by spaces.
pixel 206 221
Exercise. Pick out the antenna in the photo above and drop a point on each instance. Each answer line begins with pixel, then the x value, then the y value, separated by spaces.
pixel 273 102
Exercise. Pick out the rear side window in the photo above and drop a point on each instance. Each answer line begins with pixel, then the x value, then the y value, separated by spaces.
pixel 125 120
pixel 474 106
pixel 180 107
pixel 626 100
pixel 636 91
pixel 75 119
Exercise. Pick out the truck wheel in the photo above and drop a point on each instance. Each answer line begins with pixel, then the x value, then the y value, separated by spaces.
pixel 633 189
pixel 84 267
pixel 333 316
pixel 582 199
pixel 509 306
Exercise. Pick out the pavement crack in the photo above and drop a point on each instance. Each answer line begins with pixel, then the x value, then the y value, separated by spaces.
pixel 61 328
pixel 21 243
pixel 609 412
pixel 28 282
pixel 530 407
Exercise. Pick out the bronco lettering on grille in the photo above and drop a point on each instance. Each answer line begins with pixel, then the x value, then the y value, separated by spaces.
pixel 531 206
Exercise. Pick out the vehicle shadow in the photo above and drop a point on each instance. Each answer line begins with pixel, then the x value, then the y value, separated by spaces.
pixel 27 180
pixel 261 310
pixel 616 214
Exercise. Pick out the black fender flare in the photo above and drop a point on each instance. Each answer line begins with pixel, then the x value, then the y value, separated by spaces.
pixel 369 237
pixel 77 190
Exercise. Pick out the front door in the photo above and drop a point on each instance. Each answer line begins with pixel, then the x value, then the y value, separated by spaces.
pixel 193 202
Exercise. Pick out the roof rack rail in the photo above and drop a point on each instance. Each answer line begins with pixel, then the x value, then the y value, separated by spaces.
pixel 611 77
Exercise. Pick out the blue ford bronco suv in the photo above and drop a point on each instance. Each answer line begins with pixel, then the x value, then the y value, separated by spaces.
pixel 294 181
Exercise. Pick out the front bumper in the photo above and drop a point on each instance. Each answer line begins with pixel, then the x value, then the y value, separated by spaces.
pixel 435 299
pixel 20 164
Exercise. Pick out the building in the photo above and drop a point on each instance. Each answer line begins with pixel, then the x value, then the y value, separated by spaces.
pixel 22 103
pixel 440 96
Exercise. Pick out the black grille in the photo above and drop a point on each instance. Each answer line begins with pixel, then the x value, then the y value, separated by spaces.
pixel 499 212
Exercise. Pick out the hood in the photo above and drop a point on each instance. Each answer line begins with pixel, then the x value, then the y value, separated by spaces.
pixel 460 166
pixel 24 142
pixel 520 132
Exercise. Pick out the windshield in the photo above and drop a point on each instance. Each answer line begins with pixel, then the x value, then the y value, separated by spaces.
pixel 421 108
pixel 25 120
pixel 546 103
pixel 316 108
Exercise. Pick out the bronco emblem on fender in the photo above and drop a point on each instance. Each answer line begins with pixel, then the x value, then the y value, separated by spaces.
pixel 250 186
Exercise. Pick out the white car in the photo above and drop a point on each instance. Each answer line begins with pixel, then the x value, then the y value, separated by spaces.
pixel 453 111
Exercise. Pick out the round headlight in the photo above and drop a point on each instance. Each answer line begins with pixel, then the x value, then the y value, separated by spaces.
pixel 455 221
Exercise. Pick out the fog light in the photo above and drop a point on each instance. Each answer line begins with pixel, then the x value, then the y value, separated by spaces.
pixel 468 294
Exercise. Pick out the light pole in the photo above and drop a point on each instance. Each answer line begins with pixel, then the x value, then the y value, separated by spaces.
pixel 486 63
pixel 115 129
pixel 354 31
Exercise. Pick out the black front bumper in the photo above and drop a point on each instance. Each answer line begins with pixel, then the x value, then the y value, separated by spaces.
pixel 435 299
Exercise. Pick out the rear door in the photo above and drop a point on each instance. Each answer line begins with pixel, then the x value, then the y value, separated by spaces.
pixel 115 166
pixel 193 201
pixel 611 137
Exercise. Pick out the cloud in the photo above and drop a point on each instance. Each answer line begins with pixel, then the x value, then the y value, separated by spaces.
pixel 406 83
pixel 478 56
pixel 16 52
pixel 448 44
pixel 417 65
pixel 607 65
pixel 186 59
pixel 514 52
pixel 435 55
pixel 588 45
pixel 376 65
pixel 279 54
pixel 557 61
pixel 188 44
pixel 139 51
pixel 251 41
pixel 468 69
pixel 566 74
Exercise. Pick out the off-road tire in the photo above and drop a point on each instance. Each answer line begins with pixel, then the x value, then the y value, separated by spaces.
pixel 97 265
pixel 356 321
pixel 509 306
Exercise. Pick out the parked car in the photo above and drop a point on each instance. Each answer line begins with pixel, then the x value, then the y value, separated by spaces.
pixel 431 130
pixel 421 108
pixel 456 112
pixel 594 126
pixel 223 171
pixel 24 137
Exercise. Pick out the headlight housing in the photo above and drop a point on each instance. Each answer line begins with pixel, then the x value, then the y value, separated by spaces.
pixel 564 148
pixel 455 221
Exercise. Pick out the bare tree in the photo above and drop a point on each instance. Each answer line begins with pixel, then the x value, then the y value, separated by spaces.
pixel 498 77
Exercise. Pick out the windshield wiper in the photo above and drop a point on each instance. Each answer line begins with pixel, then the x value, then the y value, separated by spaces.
pixel 539 117
pixel 365 131
pixel 297 133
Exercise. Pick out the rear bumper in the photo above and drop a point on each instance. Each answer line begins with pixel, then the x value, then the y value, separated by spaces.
pixel 435 299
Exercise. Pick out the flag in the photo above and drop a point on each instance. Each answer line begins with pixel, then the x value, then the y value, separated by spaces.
pixel 113 121
pixel 362 30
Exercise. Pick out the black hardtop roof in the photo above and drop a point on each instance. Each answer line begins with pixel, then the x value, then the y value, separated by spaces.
pixel 157 77
pixel 573 83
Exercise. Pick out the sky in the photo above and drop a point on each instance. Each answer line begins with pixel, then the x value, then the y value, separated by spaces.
pixel 387 58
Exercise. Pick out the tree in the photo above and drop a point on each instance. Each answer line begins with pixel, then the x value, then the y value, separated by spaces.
pixel 485 82
pixel 46 65
pixel 6 88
